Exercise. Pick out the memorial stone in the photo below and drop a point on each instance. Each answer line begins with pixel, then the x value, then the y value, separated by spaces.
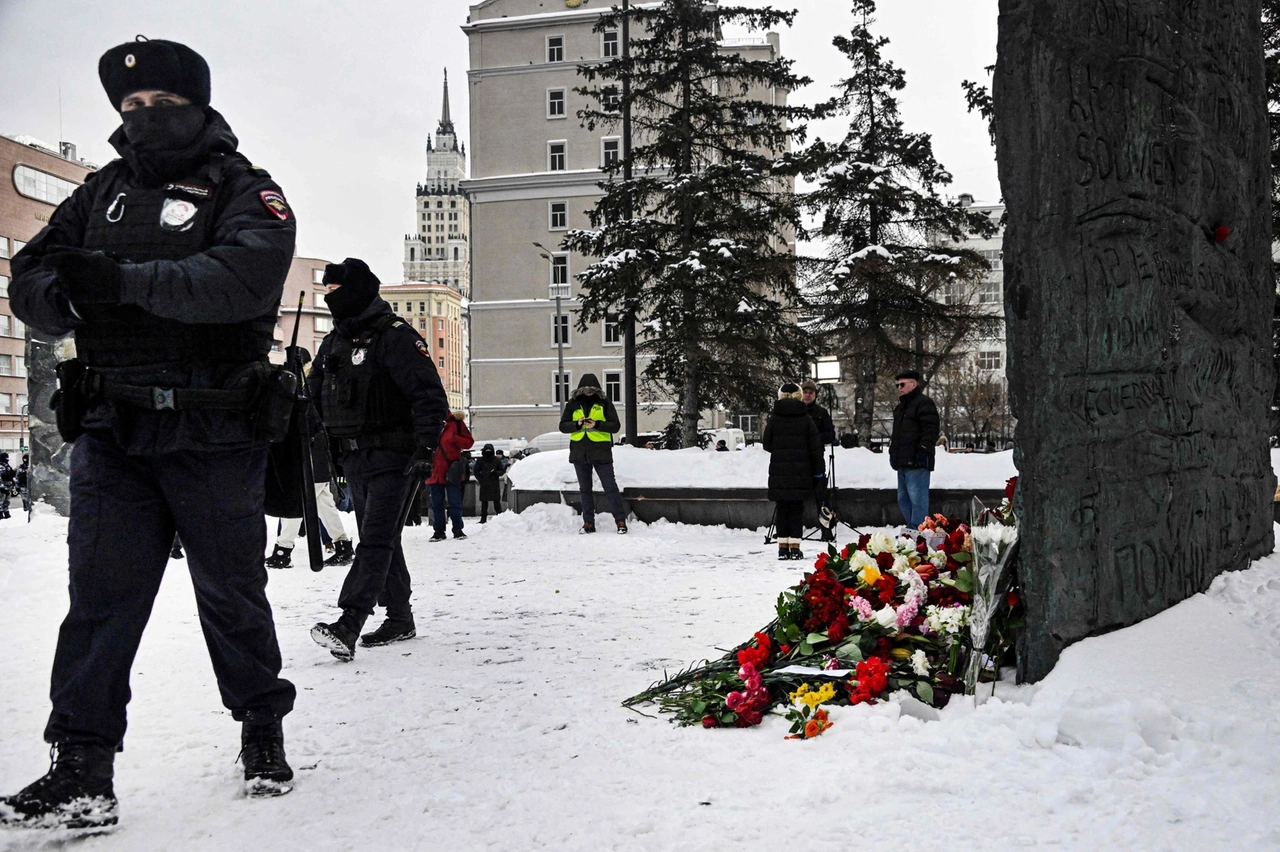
pixel 1133 156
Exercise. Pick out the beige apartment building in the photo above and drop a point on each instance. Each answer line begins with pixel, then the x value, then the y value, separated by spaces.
pixel 535 172
pixel 437 312
pixel 34 180
pixel 315 321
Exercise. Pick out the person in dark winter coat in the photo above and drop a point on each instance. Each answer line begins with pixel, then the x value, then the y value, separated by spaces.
pixel 911 446
pixel 488 473
pixel 24 482
pixel 591 421
pixel 8 485
pixel 827 434
pixel 168 265
pixel 448 473
pixel 795 461
pixel 382 403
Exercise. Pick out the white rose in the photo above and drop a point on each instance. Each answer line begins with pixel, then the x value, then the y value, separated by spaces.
pixel 920 663
pixel 881 543
pixel 887 617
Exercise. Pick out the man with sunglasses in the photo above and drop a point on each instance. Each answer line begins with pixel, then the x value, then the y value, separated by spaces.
pixel 915 431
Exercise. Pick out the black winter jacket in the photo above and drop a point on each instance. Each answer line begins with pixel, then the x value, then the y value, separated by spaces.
pixel 238 278
pixel 404 355
pixel 488 472
pixel 791 439
pixel 822 419
pixel 585 450
pixel 915 431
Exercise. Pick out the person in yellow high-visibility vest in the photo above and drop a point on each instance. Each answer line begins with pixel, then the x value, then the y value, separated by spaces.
pixel 590 421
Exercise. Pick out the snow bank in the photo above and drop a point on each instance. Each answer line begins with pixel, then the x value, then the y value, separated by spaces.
pixel 749 468
pixel 501 728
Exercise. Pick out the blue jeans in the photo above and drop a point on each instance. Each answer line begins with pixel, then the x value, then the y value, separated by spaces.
pixel 438 493
pixel 913 495
pixel 607 481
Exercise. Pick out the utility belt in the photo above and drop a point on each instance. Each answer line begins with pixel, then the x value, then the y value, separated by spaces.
pixel 399 440
pixel 80 387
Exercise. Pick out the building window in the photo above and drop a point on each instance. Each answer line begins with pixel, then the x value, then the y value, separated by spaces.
pixel 41 186
pixel 318 301
pixel 19 330
pixel 422 325
pixel 560 386
pixel 6 406
pixel 439 309
pixel 555 103
pixel 748 423
pixel 555 48
pixel 19 245
pixel 441 363
pixel 6 365
pixel 4 286
pixel 559 215
pixel 455 253
pixel 317 276
pixel 411 254
pixel 20 366
pixel 609 43
pixel 560 276
pixel 422 307
pixel 612 330
pixel 4 326
pixel 441 340
pixel 560 330
pixel 989 359
pixel 610 151
pixel 556 156
pixel 324 324
pixel 395 307
pixel 610 99
pixel 613 385
pixel 22 401
pixel 990 293
pixel 453 204
pixel 439 325
pixel 4 248
pixel 995 257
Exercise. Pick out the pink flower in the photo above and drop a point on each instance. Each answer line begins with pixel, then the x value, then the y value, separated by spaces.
pixel 863 606
pixel 735 701
pixel 907 613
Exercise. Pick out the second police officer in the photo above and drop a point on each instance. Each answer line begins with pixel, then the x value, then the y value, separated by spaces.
pixel 383 406
pixel 168 265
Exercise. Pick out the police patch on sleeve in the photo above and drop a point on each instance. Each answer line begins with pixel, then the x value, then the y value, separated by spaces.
pixel 274 202
pixel 422 347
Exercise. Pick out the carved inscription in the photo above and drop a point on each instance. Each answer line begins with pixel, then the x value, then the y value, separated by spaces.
pixel 1134 161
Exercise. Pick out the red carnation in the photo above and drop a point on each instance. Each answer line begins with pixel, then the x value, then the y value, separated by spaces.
pixel 839 628
pixel 821 561
pixel 873 679
pixel 863 541
pixel 884 561
pixel 758 655
pixel 887 586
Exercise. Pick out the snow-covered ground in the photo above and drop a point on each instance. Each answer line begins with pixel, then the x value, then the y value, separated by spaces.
pixel 749 468
pixel 500 726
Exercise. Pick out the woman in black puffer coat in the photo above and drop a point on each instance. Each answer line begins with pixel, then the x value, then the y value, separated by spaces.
pixel 791 439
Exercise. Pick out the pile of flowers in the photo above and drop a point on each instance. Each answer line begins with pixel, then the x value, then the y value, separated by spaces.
pixel 883 614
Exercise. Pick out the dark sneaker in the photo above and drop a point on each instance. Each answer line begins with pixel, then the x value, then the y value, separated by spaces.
pixel 622 527
pixel 784 552
pixel 343 554
pixel 587 528
pixel 439 536
pixel 281 557
pixel 266 772
pixel 75 793
pixel 391 630
pixel 338 638
pixel 459 535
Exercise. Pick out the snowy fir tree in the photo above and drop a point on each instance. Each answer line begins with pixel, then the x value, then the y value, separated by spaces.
pixel 699 244
pixel 889 293
pixel 1271 53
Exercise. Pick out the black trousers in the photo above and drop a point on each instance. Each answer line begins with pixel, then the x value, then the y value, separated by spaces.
pixel 790 520
pixel 484 508
pixel 379 575
pixel 125 511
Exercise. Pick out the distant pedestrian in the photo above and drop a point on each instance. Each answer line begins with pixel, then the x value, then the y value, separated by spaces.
pixel 448 473
pixel 591 421
pixel 8 485
pixel 488 472
pixel 827 435
pixel 791 438
pixel 24 481
pixel 722 446
pixel 911 446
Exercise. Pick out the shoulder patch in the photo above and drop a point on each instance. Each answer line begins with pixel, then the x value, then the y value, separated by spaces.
pixel 275 202
pixel 422 347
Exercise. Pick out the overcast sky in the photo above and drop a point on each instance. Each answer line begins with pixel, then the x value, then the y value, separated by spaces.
pixel 336 99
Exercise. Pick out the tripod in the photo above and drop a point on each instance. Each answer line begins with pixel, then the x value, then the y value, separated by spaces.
pixel 818 533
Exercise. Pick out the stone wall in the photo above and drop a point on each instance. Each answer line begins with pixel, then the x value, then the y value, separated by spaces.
pixel 1133 156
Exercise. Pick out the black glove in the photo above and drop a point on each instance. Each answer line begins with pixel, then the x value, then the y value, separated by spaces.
pixel 87 277
pixel 420 464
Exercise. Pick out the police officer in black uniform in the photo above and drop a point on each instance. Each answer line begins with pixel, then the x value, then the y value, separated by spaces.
pixel 168 265
pixel 8 485
pixel 383 406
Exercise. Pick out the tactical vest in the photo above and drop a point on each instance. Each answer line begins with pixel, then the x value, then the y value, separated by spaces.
pixel 135 224
pixel 597 414
pixel 360 399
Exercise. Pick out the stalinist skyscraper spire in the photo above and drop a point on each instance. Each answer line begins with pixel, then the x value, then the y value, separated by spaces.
pixel 439 251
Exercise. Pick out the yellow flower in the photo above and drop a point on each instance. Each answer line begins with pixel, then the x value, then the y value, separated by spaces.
pixel 820 696
pixel 803 690
pixel 870 574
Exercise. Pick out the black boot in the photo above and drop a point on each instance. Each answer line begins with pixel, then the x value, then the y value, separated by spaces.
pixel 266 772
pixel 281 557
pixel 391 630
pixel 75 793
pixel 339 637
pixel 343 554
pixel 438 536
pixel 588 527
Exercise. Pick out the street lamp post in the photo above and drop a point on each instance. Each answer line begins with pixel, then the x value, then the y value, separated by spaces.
pixel 631 402
pixel 560 382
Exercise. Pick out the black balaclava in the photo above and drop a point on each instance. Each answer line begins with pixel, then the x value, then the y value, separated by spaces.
pixel 357 288
pixel 163 128
pixel 487 450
